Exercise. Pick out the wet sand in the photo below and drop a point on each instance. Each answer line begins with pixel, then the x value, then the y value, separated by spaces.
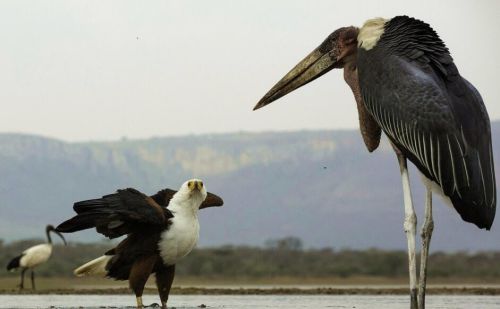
pixel 368 290
pixel 250 301
pixel 273 286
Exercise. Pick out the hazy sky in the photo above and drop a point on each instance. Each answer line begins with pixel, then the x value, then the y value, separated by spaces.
pixel 101 70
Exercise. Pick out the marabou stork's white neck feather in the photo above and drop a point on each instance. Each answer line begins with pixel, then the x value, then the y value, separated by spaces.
pixel 371 32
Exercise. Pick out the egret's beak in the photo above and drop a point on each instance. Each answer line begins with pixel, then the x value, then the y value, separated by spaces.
pixel 327 56
pixel 211 200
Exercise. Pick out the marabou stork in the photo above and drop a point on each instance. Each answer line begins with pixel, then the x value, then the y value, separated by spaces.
pixel 406 84
pixel 161 229
pixel 34 256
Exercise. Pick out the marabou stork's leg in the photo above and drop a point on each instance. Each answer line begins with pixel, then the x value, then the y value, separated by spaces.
pixel 410 224
pixel 426 234
pixel 164 278
pixel 33 280
pixel 21 285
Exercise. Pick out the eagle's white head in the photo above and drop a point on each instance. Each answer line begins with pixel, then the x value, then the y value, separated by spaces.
pixel 190 196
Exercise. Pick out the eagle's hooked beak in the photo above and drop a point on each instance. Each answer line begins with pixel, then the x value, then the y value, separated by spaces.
pixel 195 185
pixel 327 56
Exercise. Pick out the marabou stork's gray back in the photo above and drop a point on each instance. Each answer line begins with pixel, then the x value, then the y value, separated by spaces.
pixel 412 88
pixel 406 84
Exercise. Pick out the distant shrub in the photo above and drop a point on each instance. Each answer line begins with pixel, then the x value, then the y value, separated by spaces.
pixel 281 257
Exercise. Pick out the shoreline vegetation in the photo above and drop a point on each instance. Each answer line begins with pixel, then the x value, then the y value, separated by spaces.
pixel 280 267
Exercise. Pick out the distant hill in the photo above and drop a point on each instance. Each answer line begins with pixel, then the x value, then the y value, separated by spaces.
pixel 321 186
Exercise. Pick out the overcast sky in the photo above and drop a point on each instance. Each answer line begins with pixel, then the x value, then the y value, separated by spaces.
pixel 102 70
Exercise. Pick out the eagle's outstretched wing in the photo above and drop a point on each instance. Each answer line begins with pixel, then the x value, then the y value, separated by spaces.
pixel 126 212
pixel 117 214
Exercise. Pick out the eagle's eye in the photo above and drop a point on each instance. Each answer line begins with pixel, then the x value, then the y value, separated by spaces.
pixel 190 184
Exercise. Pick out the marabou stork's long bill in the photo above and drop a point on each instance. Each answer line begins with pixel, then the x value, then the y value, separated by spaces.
pixel 34 256
pixel 406 84
pixel 160 229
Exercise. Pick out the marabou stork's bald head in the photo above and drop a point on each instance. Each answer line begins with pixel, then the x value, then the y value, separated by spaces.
pixel 336 51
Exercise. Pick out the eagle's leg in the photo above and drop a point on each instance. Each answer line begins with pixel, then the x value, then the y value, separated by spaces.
pixel 138 299
pixel 33 280
pixel 164 278
pixel 21 285
pixel 139 275
pixel 410 224
pixel 426 234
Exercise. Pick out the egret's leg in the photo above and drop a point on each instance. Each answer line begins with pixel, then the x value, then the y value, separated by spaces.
pixel 33 280
pixel 426 234
pixel 21 285
pixel 410 224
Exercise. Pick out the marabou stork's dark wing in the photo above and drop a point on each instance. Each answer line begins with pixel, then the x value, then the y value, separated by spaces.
pixel 117 214
pixel 435 117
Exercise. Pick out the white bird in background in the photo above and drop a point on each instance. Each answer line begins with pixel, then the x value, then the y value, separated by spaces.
pixel 34 256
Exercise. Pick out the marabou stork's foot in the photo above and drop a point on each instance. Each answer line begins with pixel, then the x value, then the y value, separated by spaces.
pixel 21 287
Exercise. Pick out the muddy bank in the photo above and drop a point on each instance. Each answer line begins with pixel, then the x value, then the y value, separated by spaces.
pixel 270 291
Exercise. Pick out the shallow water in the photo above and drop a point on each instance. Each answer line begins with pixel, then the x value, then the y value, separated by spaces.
pixel 251 301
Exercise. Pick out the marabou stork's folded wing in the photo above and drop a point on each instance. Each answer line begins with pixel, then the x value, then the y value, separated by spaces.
pixel 117 214
pixel 435 117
